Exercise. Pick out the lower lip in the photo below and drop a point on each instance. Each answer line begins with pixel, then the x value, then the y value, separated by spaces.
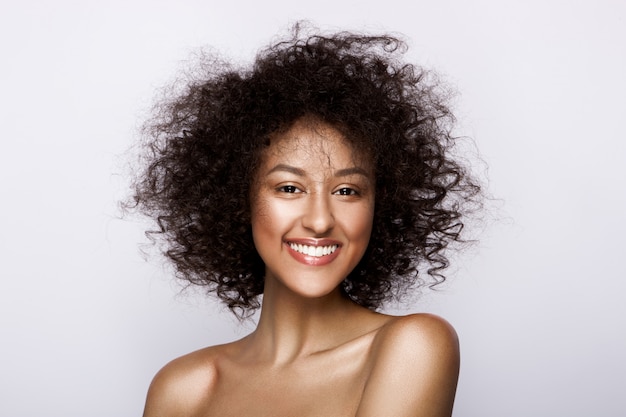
pixel 313 260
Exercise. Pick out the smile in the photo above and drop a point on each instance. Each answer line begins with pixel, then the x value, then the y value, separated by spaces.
pixel 316 251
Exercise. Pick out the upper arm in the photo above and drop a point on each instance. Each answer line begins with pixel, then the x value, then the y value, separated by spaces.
pixel 414 371
pixel 179 388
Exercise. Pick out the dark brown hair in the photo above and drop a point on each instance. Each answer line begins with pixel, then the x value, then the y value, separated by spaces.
pixel 203 145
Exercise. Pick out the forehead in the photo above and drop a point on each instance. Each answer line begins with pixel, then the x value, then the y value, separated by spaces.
pixel 314 144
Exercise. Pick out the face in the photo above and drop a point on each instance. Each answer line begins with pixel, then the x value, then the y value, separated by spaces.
pixel 312 209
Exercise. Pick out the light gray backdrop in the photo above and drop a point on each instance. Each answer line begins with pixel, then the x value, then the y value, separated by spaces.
pixel 85 322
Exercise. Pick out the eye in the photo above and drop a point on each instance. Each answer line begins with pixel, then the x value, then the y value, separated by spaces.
pixel 346 191
pixel 290 189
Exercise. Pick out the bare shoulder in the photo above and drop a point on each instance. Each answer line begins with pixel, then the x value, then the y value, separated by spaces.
pixel 414 371
pixel 184 385
pixel 421 342
pixel 415 332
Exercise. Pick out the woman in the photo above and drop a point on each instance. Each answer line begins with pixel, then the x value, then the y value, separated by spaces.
pixel 314 185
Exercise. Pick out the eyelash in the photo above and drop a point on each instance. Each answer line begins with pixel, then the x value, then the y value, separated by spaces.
pixel 289 189
pixel 344 191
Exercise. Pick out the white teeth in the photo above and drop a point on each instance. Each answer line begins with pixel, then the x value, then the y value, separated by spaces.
pixel 317 251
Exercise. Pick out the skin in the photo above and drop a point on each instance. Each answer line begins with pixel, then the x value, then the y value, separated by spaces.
pixel 314 352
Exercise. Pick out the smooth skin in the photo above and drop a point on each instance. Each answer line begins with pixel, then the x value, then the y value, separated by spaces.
pixel 314 352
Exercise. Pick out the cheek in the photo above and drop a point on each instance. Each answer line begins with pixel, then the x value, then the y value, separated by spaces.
pixel 268 221
pixel 360 222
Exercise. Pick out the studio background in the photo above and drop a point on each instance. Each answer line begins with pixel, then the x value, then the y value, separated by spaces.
pixel 85 321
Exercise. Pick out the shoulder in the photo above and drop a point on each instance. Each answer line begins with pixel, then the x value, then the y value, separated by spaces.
pixel 183 385
pixel 419 342
pixel 414 368
pixel 416 332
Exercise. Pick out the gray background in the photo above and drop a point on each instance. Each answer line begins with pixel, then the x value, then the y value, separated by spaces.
pixel 85 322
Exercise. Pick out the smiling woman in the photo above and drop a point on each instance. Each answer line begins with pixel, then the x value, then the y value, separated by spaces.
pixel 312 209
pixel 321 179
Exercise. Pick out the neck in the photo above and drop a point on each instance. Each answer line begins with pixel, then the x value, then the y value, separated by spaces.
pixel 291 326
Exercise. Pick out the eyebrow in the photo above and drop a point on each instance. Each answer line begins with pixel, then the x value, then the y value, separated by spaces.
pixel 287 168
pixel 300 172
pixel 351 171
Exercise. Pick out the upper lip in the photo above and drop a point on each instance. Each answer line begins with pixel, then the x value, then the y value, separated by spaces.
pixel 314 242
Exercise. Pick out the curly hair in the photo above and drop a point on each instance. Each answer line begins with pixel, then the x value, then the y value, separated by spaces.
pixel 203 147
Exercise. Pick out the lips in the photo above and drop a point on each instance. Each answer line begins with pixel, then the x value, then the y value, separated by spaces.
pixel 315 253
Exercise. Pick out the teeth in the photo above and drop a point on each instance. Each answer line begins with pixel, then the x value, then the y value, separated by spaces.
pixel 317 251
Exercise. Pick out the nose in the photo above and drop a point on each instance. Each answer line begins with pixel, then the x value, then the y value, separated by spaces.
pixel 318 216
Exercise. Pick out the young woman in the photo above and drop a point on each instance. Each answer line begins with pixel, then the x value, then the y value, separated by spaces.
pixel 314 185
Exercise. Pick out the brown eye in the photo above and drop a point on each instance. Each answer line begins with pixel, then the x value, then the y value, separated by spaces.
pixel 346 191
pixel 291 189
